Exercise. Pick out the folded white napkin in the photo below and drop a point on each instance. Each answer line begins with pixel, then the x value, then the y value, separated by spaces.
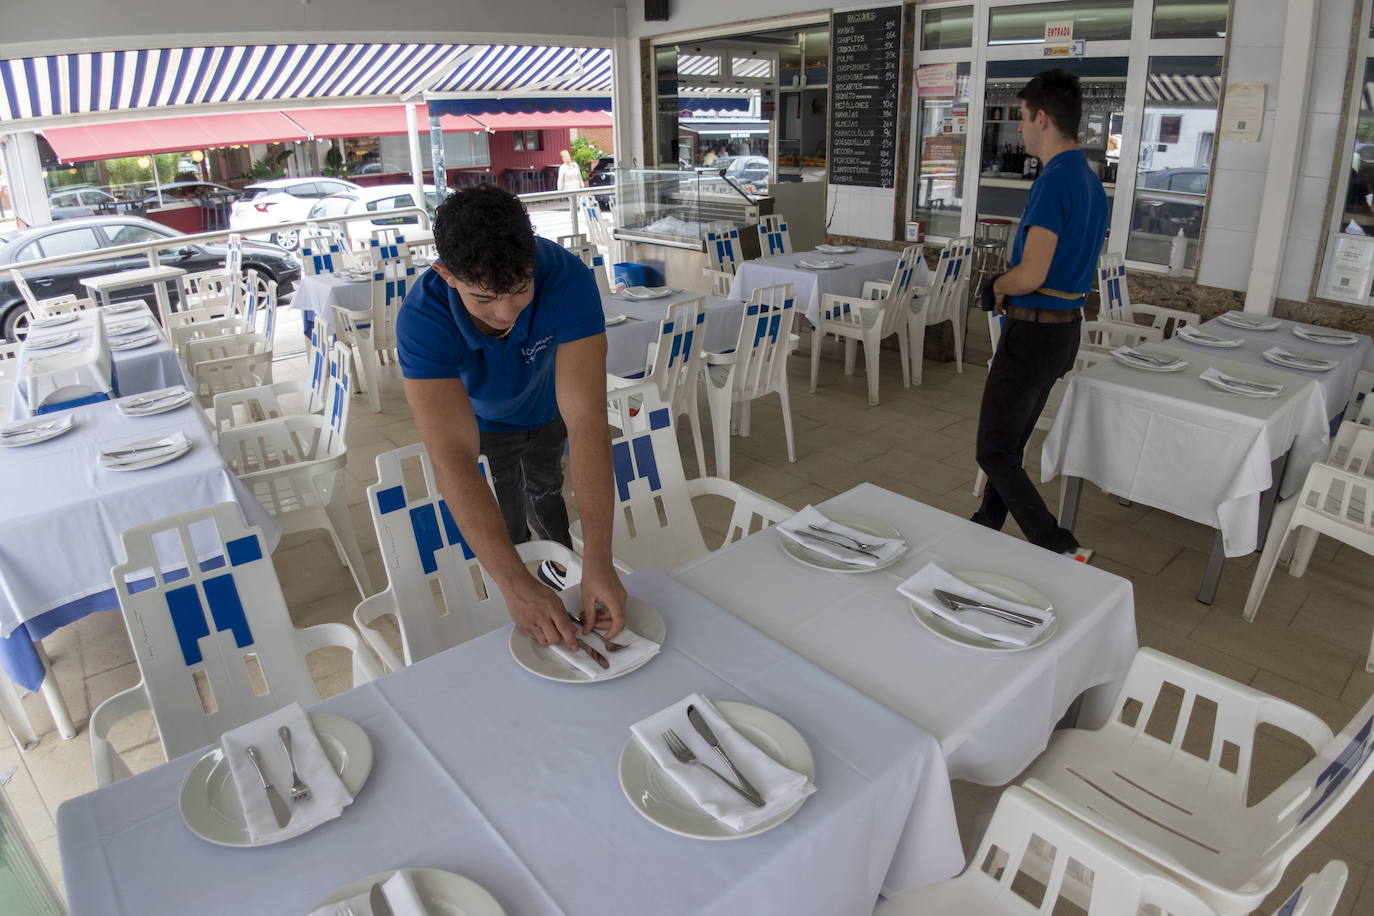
pixel 780 787
pixel 1324 335
pixel 399 891
pixel 820 263
pixel 153 400
pixel 920 588
pixel 1297 360
pixel 1236 385
pixel 637 648
pixel 796 529
pixel 112 455
pixel 328 795
pixel 43 342
pixel 1134 357
pixel 133 343
pixel 1242 320
pixel 1193 335
pixel 52 321
pixel 40 427
pixel 835 249
pixel 647 292
pixel 127 327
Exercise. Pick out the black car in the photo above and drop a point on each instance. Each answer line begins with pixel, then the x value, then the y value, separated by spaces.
pixel 602 175
pixel 74 236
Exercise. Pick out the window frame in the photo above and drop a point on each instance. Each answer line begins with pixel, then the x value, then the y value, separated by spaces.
pixel 522 138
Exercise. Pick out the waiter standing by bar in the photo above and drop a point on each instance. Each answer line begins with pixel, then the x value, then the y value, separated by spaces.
pixel 1041 300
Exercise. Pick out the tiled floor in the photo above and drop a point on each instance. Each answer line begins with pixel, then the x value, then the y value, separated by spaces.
pixel 1307 645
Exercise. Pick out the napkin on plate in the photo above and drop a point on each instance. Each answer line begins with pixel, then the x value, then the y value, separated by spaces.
pixel 781 787
pixel 637 648
pixel 1324 335
pixel 835 249
pixel 1192 334
pixel 110 455
pixel 126 327
pixel 796 529
pixel 399 891
pixel 1134 357
pixel 819 263
pixel 328 795
pixel 133 343
pixel 647 292
pixel 34 428
pixel 1251 389
pixel 1297 360
pixel 140 403
pixel 1242 320
pixel 920 588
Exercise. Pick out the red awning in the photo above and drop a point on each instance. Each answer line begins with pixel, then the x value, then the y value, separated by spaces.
pixel 373 121
pixel 169 135
pixel 550 120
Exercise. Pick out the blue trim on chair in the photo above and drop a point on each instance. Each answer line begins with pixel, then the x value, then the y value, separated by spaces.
pixel 243 550
pixel 227 609
pixel 624 468
pixel 425 526
pixel 451 532
pixel 659 419
pixel 1345 764
pixel 391 499
pixel 644 460
pixel 188 619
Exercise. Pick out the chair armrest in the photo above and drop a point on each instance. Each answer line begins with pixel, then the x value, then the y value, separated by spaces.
pixel 341 635
pixel 726 358
pixel 747 505
pixel 109 767
pixel 839 309
pixel 1160 311
pixel 372 607
pixel 575 532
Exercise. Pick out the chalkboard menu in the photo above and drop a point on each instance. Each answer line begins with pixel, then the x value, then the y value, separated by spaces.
pixel 865 71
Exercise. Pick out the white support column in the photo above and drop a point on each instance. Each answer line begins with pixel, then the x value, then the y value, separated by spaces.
pixel 24 170
pixel 417 164
pixel 1290 127
pixel 622 89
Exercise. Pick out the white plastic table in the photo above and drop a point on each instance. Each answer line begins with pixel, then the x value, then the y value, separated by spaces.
pixel 864 264
pixel 991 711
pixel 102 285
pixel 511 780
pixel 628 342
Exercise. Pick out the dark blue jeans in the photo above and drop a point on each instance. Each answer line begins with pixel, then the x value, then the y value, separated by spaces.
pixel 527 470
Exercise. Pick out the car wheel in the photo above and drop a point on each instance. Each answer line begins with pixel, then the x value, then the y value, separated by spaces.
pixel 290 239
pixel 14 326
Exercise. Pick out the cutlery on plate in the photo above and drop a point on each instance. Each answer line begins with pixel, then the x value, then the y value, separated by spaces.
pixel 1253 386
pixel 299 789
pixel 610 646
pixel 1303 360
pixel 27 430
pixel 684 754
pixel 840 544
pixel 279 809
pixel 376 899
pixel 148 402
pixel 855 541
pixel 595 655
pixel 1152 360
pixel 699 723
pixel 957 603
pixel 1320 335
pixel 130 452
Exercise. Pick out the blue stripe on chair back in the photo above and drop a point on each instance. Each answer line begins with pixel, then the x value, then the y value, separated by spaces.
pixel 1343 767
pixel 1113 291
pixel 226 608
pixel 633 459
pixel 432 531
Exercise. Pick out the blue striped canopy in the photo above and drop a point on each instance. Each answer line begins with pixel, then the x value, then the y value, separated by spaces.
pixel 109 81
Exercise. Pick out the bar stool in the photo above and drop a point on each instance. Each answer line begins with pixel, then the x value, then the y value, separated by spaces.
pixel 989 250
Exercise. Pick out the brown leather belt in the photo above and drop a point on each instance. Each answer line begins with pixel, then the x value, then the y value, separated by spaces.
pixel 1042 316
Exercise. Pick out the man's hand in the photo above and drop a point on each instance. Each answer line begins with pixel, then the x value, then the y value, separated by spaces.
pixel 539 611
pixel 603 599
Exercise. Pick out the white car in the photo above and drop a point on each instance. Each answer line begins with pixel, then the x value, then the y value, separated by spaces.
pixel 282 200
pixel 364 210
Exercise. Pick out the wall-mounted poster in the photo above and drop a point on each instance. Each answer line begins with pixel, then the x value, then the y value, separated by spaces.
pixel 1349 272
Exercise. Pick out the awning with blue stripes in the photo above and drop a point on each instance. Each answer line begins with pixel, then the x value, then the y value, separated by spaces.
pixel 36 88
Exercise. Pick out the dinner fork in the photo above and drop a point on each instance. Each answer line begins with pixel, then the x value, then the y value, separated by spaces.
pixel 684 754
pixel 299 789
pixel 848 537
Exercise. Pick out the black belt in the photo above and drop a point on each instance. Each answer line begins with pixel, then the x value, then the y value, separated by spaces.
pixel 1042 316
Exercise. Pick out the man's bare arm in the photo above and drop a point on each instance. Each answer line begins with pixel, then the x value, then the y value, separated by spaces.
pixel 1030 274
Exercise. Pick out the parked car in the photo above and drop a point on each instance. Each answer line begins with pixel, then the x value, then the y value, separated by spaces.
pixel 188 190
pixel 79 200
pixel 749 172
pixel 94 233
pixel 1191 180
pixel 1180 209
pixel 354 207
pixel 282 200
pixel 602 175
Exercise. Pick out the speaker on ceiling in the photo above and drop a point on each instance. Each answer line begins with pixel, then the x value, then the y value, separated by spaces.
pixel 655 10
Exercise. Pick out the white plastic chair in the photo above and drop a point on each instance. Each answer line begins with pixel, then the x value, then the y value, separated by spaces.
pixel 41 308
pixel 1115 301
pixel 213 638
pixel 723 256
pixel 1035 858
pixel 756 366
pixel 294 465
pixel 1319 892
pixel 234 409
pixel 9 373
pixel 217 288
pixel 373 334
pixel 322 256
pixel 387 245
pixel 1337 500
pixel 944 300
pixel 437 591
pixel 654 522
pixel 232 361
pixel 674 365
pixel 251 291
pixel 1359 392
pixel 574 242
pixel 774 239
pixel 880 312
pixel 1180 799
pixel 597 229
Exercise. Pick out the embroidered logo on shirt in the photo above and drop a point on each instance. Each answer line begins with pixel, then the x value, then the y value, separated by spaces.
pixel 531 352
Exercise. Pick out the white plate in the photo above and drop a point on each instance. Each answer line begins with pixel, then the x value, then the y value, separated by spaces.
pixel 805 557
pixel 1224 342
pixel 134 343
pixel 1245 393
pixel 1323 336
pixel 826 264
pixel 210 805
pixel 442 892
pixel 655 795
pixel 121 308
pixel 61 425
pixel 648 292
pixel 836 249
pixel 120 328
pixel 640 616
pixel 51 340
pixel 1127 361
pixel 117 464
pixel 164 400
pixel 994 584
pixel 1256 324
pixel 1281 361
pixel 615 319
pixel 54 321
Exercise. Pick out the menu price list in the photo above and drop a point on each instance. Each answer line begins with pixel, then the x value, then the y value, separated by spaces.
pixel 865 72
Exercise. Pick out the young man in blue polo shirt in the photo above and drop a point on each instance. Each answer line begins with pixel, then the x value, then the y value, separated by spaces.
pixel 1041 298
pixel 503 349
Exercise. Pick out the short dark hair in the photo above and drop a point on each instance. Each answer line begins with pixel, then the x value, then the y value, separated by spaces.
pixel 484 237
pixel 1056 93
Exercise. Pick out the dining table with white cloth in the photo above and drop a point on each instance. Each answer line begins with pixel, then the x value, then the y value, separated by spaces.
pixel 62 515
pixel 861 265
pixel 627 342
pixel 146 368
pixel 992 711
pixel 1335 384
pixel 319 293
pixel 1170 441
pixel 483 769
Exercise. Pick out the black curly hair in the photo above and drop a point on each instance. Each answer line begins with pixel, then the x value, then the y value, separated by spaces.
pixel 1056 93
pixel 485 238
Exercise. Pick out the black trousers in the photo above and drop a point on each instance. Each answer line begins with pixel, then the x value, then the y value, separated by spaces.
pixel 527 470
pixel 1030 357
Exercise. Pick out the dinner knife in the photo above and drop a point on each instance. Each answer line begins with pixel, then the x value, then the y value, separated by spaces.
pixel 699 723
pixel 376 899
pixel 595 655
pixel 956 602
pixel 817 537
pixel 279 809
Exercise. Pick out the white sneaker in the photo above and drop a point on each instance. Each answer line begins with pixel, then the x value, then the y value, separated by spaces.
pixel 552 576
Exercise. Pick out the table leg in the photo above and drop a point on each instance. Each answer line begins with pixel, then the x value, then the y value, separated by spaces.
pixel 13 715
pixel 1270 497
pixel 1068 509
pixel 1212 576
pixel 164 303
pixel 61 718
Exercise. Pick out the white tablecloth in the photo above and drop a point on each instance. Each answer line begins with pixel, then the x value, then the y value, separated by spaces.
pixel 992 712
pixel 144 369
pixel 809 285
pixel 1334 384
pixel 319 292
pixel 1171 441
pixel 486 770
pixel 61 515
pixel 628 342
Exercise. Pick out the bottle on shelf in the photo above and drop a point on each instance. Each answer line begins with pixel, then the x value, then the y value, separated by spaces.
pixel 1178 254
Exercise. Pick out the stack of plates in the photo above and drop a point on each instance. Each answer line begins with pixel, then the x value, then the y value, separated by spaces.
pixel 1129 356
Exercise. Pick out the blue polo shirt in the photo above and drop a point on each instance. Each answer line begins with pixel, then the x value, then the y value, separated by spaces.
pixel 509 380
pixel 1068 200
